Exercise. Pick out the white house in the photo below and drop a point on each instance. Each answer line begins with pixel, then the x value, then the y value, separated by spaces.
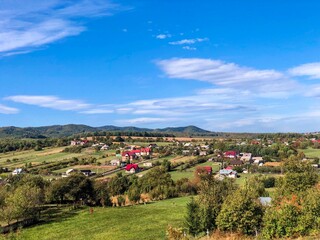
pixel 104 147
pixel 147 164
pixel 246 157
pixel 115 162
pixel 17 171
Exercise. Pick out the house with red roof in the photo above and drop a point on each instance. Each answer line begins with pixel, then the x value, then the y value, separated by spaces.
pixel 135 153
pixel 128 155
pixel 230 154
pixel 204 170
pixel 132 168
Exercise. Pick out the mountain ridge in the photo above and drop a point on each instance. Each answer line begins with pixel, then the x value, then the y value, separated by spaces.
pixel 73 129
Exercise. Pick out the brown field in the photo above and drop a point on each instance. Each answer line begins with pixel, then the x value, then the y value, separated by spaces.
pixel 181 159
pixel 94 167
pixel 53 151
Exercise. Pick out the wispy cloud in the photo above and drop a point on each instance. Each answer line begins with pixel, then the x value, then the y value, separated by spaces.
pixel 97 111
pixel 163 36
pixel 267 83
pixel 50 102
pixel 31 24
pixel 8 110
pixel 189 48
pixel 188 41
pixel 311 70
pixel 146 120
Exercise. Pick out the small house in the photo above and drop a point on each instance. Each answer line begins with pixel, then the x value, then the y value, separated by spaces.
pixel 236 163
pixel 115 162
pixel 228 173
pixel 230 154
pixel 203 153
pixel 132 168
pixel 147 164
pixel 87 172
pixel 70 171
pixel 246 157
pixel 17 171
pixel 105 147
pixel 204 169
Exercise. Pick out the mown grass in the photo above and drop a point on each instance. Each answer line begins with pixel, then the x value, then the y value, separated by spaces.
pixel 311 153
pixel 189 173
pixel 133 222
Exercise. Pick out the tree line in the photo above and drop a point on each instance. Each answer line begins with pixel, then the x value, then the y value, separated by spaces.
pixel 224 206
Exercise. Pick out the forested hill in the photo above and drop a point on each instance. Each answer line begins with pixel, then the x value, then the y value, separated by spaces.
pixel 74 129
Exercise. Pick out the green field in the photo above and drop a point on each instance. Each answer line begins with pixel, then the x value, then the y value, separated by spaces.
pixel 17 159
pixel 311 153
pixel 134 222
pixel 189 173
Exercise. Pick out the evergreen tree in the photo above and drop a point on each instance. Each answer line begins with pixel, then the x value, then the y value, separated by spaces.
pixel 192 219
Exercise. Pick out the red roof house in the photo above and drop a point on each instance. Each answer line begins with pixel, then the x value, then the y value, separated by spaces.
pixel 230 154
pixel 132 168
pixel 204 169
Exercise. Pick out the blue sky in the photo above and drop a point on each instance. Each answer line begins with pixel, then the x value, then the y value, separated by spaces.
pixel 240 66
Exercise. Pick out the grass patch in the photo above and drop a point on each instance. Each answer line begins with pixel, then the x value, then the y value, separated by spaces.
pixel 189 173
pixel 310 152
pixel 134 222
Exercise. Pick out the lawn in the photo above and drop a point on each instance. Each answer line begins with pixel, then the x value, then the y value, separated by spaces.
pixel 311 153
pixel 243 177
pixel 189 173
pixel 134 222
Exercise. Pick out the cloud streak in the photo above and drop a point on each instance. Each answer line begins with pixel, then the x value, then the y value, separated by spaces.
pixel 8 110
pixel 311 70
pixel 25 27
pixel 266 83
pixel 188 41
pixel 50 102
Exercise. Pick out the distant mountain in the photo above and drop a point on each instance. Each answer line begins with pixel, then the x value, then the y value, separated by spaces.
pixel 187 130
pixel 73 129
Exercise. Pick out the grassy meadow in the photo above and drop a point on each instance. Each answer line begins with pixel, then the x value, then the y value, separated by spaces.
pixel 311 153
pixel 133 222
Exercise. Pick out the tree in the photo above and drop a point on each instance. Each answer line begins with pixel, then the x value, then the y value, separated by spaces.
pixel 102 196
pixel 118 184
pixel 166 165
pixel 212 194
pixel 158 183
pixel 299 176
pixel 241 212
pixel 281 220
pixel 22 203
pixel 192 219
pixel 134 193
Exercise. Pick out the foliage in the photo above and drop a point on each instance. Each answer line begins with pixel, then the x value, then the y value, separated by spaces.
pixel 241 212
pixel 192 219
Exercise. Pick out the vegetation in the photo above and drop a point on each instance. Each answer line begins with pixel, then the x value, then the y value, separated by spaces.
pixel 135 222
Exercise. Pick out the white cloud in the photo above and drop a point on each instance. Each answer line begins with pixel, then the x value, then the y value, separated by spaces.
pixel 146 120
pixel 163 36
pixel 312 91
pixel 266 83
pixel 311 70
pixel 188 41
pixel 189 48
pixel 50 102
pixel 25 27
pixel 97 111
pixel 8 110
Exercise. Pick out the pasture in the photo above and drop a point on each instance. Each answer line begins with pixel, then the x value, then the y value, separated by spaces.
pixel 311 153
pixel 133 222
